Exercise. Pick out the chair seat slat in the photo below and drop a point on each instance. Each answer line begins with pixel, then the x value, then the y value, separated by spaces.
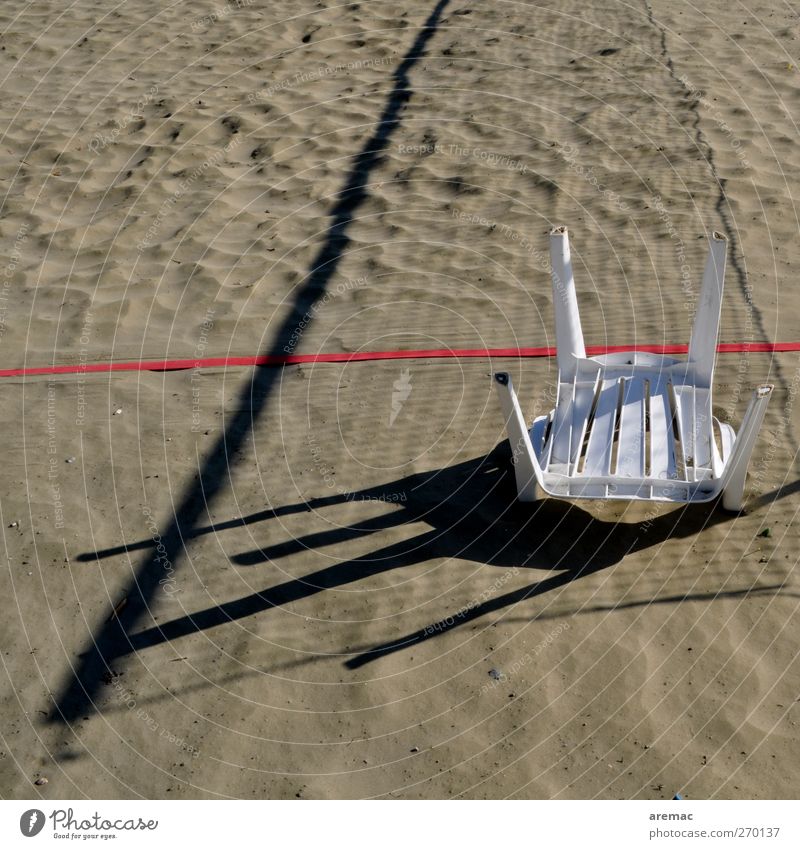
pixel 601 437
pixel 630 452
pixel 584 400
pixel 662 441
pixel 694 423
pixel 562 425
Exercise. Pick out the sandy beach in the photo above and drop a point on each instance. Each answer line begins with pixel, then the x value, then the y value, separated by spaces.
pixel 314 581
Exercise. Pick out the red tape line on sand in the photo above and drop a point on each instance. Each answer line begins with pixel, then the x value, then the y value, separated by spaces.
pixel 365 356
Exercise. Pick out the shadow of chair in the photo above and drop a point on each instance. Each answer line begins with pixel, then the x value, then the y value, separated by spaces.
pixel 471 513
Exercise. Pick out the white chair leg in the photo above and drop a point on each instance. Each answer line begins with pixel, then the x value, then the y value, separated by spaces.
pixel 526 467
pixel 569 335
pixel 703 344
pixel 736 468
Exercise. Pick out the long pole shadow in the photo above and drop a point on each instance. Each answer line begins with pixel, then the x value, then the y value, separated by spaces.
pixel 112 641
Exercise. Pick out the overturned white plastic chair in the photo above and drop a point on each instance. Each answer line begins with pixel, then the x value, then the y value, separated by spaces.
pixel 634 425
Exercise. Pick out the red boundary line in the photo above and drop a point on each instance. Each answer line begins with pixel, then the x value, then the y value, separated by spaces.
pixel 365 356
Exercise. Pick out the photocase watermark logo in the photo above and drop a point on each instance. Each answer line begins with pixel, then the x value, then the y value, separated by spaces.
pixel 401 389
pixel 66 825
pixel 31 822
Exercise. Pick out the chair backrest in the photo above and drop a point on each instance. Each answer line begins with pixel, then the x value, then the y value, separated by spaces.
pixel 705 331
pixel 611 409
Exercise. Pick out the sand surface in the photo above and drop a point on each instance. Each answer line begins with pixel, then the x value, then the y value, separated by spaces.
pixel 350 603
